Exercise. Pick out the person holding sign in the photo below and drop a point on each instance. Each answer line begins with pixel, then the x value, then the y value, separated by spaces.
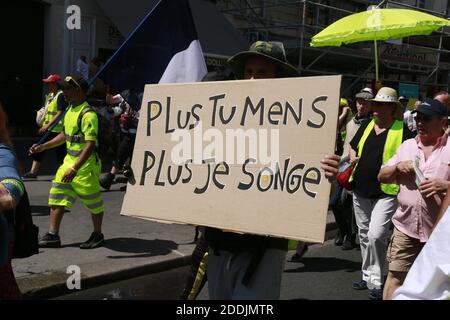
pixel 78 176
pixel 373 145
pixel 247 266
pixel 419 201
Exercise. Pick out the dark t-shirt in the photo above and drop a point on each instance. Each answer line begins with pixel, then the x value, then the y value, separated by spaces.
pixel 366 175
pixel 62 103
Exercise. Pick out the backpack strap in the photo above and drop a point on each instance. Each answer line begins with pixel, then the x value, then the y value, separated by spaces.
pixel 80 118
pixel 81 115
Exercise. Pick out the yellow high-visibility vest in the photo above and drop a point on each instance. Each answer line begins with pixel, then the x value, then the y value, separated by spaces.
pixel 393 141
pixel 75 139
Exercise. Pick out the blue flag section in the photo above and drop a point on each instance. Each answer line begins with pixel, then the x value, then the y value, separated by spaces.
pixel 164 48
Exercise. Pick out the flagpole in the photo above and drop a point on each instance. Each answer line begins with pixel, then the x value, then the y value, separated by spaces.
pixel 376 58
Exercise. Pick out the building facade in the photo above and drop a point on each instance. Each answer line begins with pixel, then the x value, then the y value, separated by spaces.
pixel 42 38
pixel 421 63
pixel 41 43
pixel 48 36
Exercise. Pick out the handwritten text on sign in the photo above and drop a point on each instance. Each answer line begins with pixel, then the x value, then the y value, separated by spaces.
pixel 235 147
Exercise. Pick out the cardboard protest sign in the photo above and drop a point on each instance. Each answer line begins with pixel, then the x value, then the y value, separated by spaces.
pixel 237 155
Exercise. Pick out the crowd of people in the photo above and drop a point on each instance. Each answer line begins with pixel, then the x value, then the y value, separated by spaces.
pixel 389 148
pixel 388 207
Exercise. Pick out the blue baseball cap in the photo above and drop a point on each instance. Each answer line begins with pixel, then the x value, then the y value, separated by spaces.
pixel 431 107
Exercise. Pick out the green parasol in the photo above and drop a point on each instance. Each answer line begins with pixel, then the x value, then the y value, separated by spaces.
pixel 378 24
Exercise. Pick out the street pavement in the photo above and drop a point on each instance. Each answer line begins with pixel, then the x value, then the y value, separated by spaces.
pixel 325 273
pixel 133 247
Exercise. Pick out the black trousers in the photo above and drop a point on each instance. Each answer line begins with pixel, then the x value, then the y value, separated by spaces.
pixel 125 149
pixel 342 206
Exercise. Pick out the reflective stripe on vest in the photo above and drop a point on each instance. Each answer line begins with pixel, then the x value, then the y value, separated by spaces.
pixel 74 153
pixel 76 139
pixel 52 101
pixel 393 141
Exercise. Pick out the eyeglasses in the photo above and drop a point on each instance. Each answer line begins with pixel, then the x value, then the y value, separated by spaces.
pixel 69 79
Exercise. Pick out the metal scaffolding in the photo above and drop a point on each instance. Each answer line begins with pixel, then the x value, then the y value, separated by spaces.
pixel 295 22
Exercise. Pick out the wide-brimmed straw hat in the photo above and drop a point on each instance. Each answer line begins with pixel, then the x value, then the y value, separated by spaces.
pixel 386 94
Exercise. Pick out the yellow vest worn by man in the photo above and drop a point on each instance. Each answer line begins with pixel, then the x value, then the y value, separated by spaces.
pixel 86 182
pixel 393 141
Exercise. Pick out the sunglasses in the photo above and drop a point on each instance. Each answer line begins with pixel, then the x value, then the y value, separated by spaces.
pixel 69 79
pixel 381 104
pixel 423 118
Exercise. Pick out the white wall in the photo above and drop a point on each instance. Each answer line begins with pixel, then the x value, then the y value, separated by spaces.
pixel 62 47
pixel 54 23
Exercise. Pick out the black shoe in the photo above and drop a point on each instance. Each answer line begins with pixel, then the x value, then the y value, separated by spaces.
pixel 95 240
pixel 50 241
pixel 29 175
pixel 127 171
pixel 339 239
pixel 349 243
pixel 376 294
pixel 297 257
pixel 106 181
pixel 121 179
pixel 359 285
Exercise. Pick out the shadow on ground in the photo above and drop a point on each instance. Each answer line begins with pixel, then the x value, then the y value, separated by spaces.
pixel 141 248
pixel 325 264
pixel 40 210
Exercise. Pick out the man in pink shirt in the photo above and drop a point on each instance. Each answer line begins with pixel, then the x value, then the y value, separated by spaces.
pixel 418 201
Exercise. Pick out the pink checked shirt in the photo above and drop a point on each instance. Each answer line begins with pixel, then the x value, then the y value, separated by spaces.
pixel 416 214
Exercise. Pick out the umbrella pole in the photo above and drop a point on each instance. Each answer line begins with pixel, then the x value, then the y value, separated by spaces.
pixel 376 58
